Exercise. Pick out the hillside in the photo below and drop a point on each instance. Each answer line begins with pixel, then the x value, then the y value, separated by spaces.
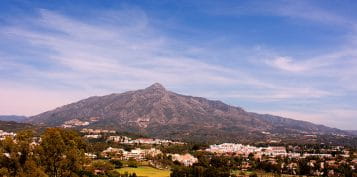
pixel 13 118
pixel 12 126
pixel 353 132
pixel 157 112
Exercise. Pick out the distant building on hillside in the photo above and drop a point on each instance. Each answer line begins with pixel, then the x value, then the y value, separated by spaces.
pixel 275 151
pixel 186 159
pixel 137 154
pixel 74 123
pixel 90 155
pixel 96 131
pixel 4 134
pixel 151 141
pixel 119 139
pixel 93 136
pixel 232 148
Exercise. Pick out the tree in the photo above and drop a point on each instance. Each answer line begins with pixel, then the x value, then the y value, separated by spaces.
pixel 9 158
pixel 113 173
pixel 304 169
pixel 132 163
pixel 102 165
pixel 117 163
pixel 17 157
pixel 253 175
pixel 32 169
pixel 61 152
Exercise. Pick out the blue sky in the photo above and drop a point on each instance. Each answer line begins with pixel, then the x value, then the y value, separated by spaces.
pixel 295 59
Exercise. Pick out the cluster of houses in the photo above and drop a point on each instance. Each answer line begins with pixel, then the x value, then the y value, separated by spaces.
pixel 152 141
pixel 322 166
pixel 272 151
pixel 96 131
pixel 319 164
pixel 227 148
pixel 93 136
pixel 232 148
pixel 139 154
pixel 77 123
pixel 74 123
pixel 4 134
pixel 119 139
pixel 136 154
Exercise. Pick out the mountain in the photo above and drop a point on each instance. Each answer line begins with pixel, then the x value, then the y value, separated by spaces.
pixel 157 112
pixel 12 126
pixel 353 132
pixel 13 118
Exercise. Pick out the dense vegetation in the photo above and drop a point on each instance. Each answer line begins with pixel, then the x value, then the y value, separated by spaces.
pixel 206 167
pixel 12 126
pixel 59 153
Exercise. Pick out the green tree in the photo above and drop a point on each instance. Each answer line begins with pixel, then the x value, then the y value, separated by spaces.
pixel 117 163
pixel 132 163
pixel 61 152
pixel 253 175
pixel 17 157
pixel 103 165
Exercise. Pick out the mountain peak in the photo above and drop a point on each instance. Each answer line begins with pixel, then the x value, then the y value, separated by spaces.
pixel 160 113
pixel 156 86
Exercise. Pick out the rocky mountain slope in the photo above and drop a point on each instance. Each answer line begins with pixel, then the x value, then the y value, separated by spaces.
pixel 158 112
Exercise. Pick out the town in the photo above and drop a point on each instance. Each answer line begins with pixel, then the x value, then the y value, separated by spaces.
pixel 106 147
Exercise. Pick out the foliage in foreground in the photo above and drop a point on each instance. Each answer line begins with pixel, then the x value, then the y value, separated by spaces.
pixel 59 153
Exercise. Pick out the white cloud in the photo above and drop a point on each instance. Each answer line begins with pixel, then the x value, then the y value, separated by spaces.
pixel 287 64
pixel 141 54
pixel 125 52
pixel 92 58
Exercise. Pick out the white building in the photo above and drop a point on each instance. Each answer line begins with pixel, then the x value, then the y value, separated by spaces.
pixel 90 155
pixel 93 136
pixel 275 151
pixel 4 134
pixel 233 148
pixel 137 154
pixel 119 139
pixel 187 159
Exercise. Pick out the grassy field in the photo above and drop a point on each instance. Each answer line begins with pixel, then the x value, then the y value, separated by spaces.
pixel 146 171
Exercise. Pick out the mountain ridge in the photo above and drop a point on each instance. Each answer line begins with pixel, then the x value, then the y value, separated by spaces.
pixel 14 118
pixel 158 112
pixel 13 126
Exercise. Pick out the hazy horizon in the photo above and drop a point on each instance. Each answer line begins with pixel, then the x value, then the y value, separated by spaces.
pixel 295 59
